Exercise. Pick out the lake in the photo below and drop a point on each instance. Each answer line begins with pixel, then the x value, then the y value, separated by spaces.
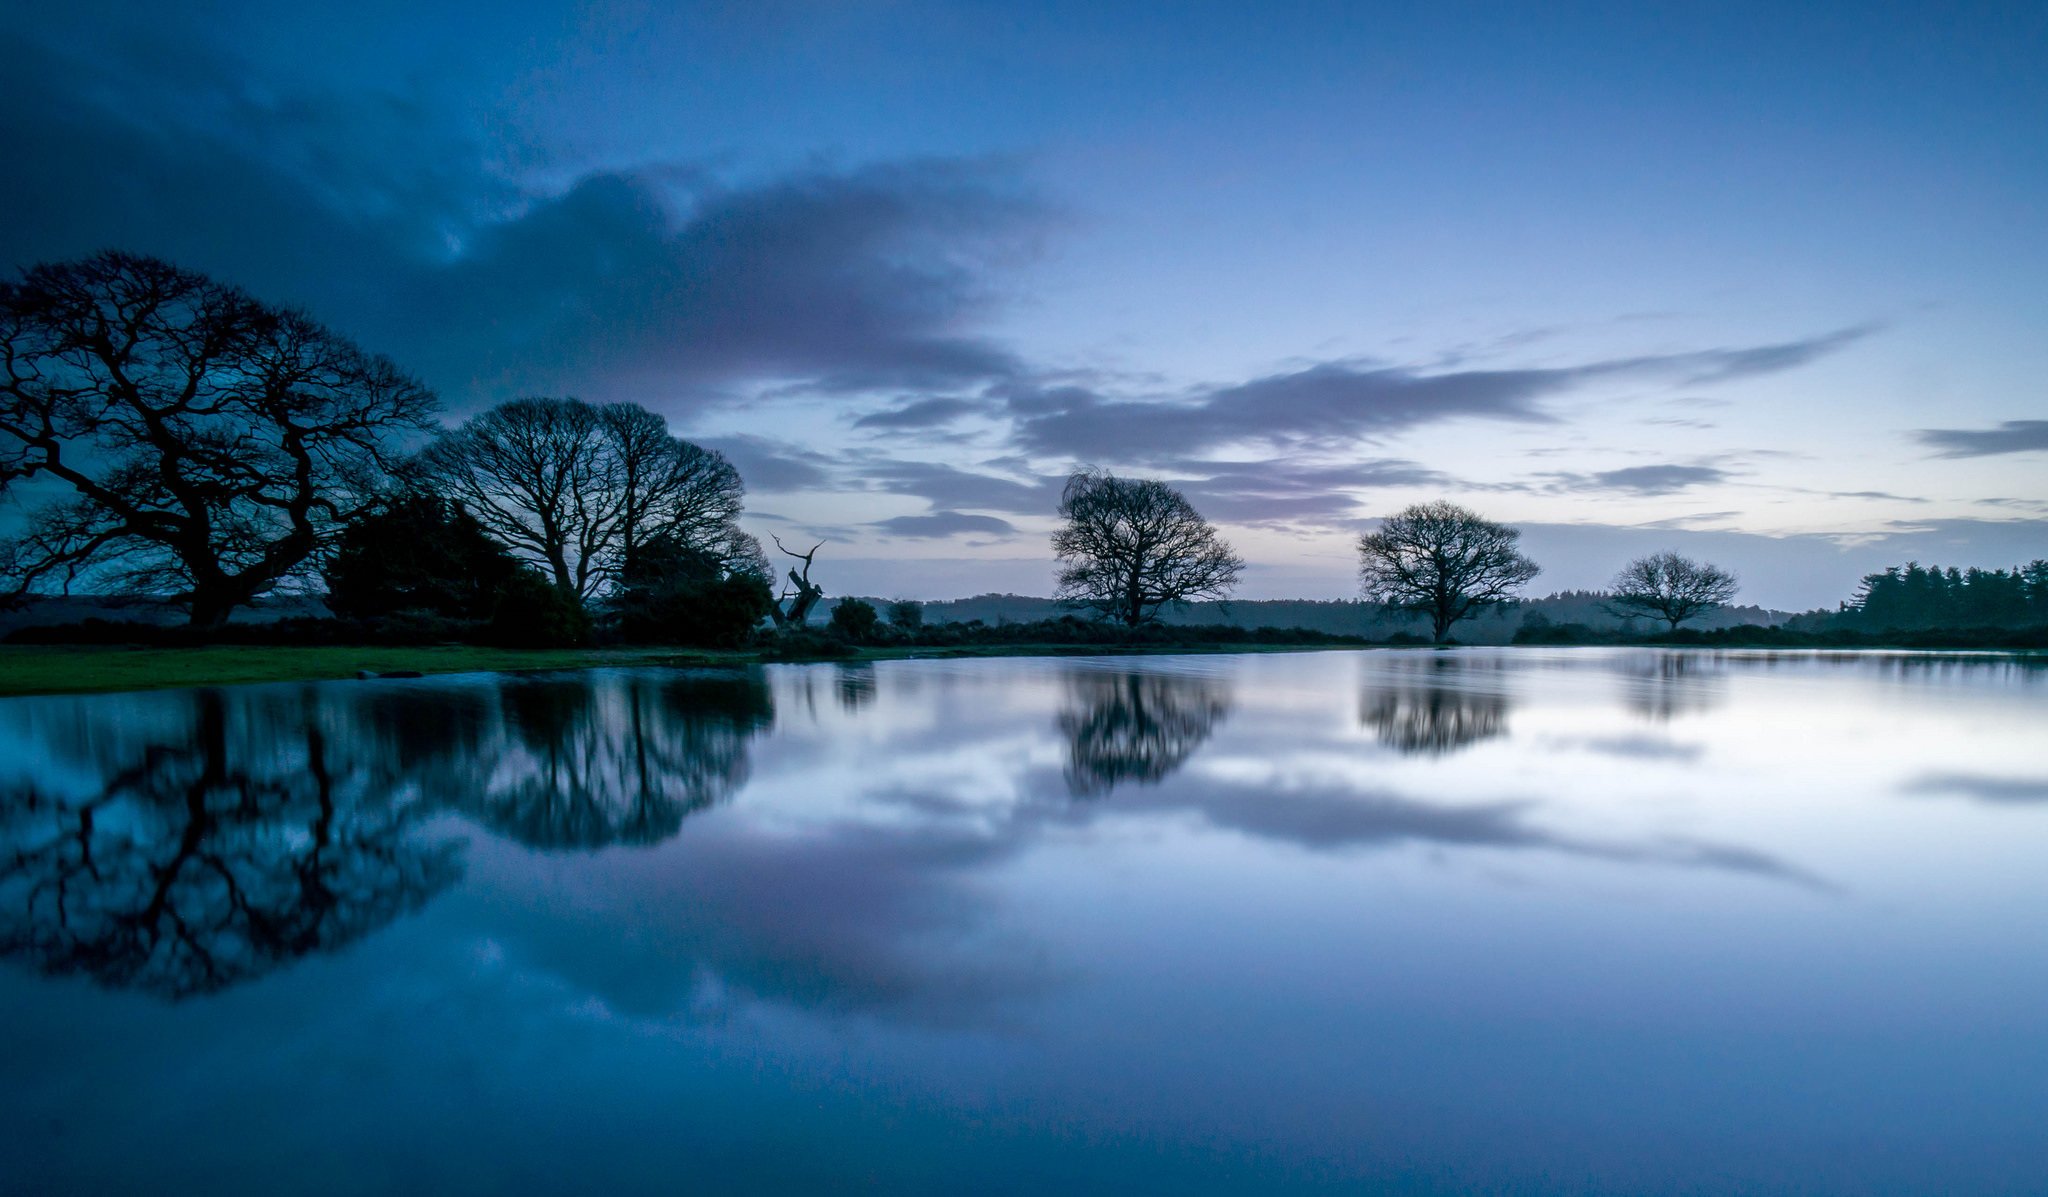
pixel 1530 921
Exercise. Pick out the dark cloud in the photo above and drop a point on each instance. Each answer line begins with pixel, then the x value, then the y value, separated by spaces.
pixel 1341 402
pixel 1874 494
pixel 925 413
pixel 1278 492
pixel 2013 436
pixel 950 487
pixel 943 523
pixel 771 465
pixel 1652 480
pixel 660 284
pixel 1724 365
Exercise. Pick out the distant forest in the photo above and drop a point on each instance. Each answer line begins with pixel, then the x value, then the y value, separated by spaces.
pixel 1908 598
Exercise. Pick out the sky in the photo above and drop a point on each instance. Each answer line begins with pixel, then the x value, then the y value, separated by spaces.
pixel 1760 283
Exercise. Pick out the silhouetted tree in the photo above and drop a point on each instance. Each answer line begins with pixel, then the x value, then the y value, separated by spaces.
pixel 417 552
pixel 1129 547
pixel 1917 597
pixel 1137 726
pixel 793 607
pixel 576 487
pixel 211 444
pixel 222 852
pixel 532 612
pixel 906 614
pixel 856 619
pixel 1670 587
pixel 672 594
pixel 1442 561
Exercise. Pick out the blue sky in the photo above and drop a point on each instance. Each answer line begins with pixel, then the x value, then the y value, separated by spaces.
pixel 1759 282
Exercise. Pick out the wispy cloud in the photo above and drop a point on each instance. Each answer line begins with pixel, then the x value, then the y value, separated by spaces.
pixel 1337 403
pixel 2013 436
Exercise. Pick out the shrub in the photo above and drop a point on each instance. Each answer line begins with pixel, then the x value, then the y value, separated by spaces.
pixel 856 620
pixel 532 612
pixel 421 554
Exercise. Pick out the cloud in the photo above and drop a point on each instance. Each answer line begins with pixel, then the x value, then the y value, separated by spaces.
pixel 1279 492
pixel 925 413
pixel 1340 402
pixel 770 465
pixel 943 523
pixel 2013 436
pixel 1652 480
pixel 950 486
pixel 663 283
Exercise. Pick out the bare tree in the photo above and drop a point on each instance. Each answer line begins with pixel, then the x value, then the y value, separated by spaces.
pixel 1129 547
pixel 801 594
pixel 1671 587
pixel 1443 561
pixel 211 444
pixel 576 487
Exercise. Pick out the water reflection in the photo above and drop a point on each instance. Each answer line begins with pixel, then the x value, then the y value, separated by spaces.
pixel 614 759
pixel 1135 726
pixel 1434 705
pixel 855 685
pixel 853 916
pixel 183 842
pixel 1661 686
pixel 230 847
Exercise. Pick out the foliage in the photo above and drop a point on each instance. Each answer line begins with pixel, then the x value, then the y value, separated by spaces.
pixel 577 488
pixel 211 444
pixel 416 553
pixel 1130 547
pixel 532 612
pixel 856 619
pixel 805 644
pixel 1671 587
pixel 1442 561
pixel 670 593
pixel 906 615
pixel 1916 597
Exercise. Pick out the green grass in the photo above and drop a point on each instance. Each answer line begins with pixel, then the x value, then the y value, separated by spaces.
pixel 78 669
pixel 60 669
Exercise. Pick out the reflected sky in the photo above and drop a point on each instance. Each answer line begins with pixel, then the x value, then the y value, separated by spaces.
pixel 1549 921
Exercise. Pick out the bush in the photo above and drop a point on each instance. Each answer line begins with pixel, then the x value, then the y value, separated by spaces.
pixel 417 554
pixel 672 594
pixel 532 612
pixel 802 644
pixel 856 620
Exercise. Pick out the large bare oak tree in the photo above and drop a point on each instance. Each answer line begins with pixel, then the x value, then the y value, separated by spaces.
pixel 1441 561
pixel 577 487
pixel 192 439
pixel 1671 587
pixel 1130 547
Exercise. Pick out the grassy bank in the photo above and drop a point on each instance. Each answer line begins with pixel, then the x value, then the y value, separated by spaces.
pixel 82 669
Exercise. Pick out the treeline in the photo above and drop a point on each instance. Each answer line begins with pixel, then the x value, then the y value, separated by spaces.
pixel 182 438
pixel 1914 597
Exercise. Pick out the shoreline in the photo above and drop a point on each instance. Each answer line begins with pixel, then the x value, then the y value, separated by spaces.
pixel 52 670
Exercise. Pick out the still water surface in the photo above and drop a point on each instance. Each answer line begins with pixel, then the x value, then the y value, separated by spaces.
pixel 1524 921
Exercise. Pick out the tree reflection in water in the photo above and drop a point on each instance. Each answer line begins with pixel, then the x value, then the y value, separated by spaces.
pixel 1661 686
pixel 615 759
pixel 1438 709
pixel 1135 727
pixel 227 834
pixel 222 852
